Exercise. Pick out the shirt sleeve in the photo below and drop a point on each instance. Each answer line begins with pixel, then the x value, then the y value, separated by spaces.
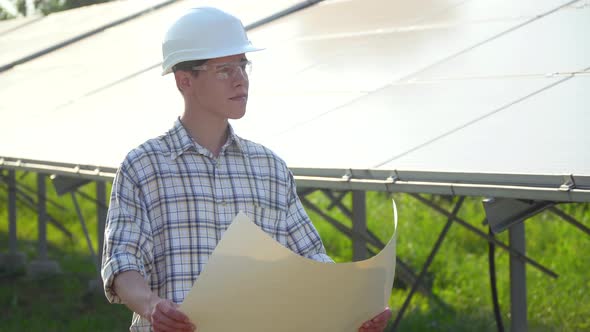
pixel 303 238
pixel 127 240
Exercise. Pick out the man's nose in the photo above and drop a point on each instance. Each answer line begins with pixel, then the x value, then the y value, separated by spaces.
pixel 240 76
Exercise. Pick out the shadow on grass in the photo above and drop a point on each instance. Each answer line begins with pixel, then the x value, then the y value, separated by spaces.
pixel 459 322
pixel 63 302
pixel 451 320
pixel 59 303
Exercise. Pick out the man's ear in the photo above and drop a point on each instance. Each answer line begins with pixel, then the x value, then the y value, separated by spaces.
pixel 183 80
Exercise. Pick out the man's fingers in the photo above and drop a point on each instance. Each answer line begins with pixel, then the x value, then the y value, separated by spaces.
pixel 378 323
pixel 373 327
pixel 159 327
pixel 169 309
pixel 384 316
pixel 161 322
pixel 167 318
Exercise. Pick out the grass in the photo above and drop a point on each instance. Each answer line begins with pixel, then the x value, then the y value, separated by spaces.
pixel 59 303
pixel 458 275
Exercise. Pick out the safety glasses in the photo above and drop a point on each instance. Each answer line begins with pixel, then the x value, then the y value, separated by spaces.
pixel 224 71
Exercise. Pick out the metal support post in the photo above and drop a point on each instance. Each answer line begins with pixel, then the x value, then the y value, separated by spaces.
pixel 359 225
pixel 101 216
pixel 41 217
pixel 518 308
pixel 42 265
pixel 13 260
pixel 101 213
pixel 12 242
pixel 509 213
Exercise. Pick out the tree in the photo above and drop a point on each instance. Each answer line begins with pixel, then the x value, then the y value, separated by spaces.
pixel 46 7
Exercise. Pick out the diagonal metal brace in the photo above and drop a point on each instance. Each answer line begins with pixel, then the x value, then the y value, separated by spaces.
pixel 426 265
pixel 502 213
pixel 487 237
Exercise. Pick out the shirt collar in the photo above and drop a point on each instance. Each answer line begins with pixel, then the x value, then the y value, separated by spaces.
pixel 182 141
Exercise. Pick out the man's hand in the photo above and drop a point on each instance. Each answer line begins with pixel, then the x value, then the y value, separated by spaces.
pixel 137 296
pixel 165 317
pixel 378 323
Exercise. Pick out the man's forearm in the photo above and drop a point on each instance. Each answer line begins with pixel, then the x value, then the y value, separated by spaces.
pixel 135 293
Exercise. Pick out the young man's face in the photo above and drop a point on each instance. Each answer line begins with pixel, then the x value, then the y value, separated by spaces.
pixel 221 88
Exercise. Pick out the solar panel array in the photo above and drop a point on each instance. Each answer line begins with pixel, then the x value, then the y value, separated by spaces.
pixel 451 89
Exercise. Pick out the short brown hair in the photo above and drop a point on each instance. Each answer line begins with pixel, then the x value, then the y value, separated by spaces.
pixel 188 65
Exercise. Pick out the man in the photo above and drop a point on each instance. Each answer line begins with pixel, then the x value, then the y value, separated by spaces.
pixel 175 195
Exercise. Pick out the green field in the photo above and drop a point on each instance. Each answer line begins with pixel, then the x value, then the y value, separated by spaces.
pixel 458 275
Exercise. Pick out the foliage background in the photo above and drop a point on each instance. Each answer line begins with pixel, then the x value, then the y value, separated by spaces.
pixel 46 7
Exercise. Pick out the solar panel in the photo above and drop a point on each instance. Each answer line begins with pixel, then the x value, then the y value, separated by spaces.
pixel 543 134
pixel 68 115
pixel 552 44
pixel 383 125
pixel 8 26
pixel 61 26
pixel 423 86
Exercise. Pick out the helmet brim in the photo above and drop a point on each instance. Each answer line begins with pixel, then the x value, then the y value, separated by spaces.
pixel 191 56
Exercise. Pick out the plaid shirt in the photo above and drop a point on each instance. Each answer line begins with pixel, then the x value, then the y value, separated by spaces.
pixel 172 200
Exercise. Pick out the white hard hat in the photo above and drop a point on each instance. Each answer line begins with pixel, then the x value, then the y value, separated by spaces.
pixel 204 33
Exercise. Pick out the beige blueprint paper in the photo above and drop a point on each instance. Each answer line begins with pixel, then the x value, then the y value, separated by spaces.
pixel 253 283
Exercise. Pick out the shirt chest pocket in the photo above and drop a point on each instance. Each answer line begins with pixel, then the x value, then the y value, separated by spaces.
pixel 271 221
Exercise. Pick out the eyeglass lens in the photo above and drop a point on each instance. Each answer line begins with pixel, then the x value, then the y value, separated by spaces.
pixel 230 69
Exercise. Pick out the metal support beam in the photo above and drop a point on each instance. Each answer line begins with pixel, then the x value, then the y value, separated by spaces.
pixel 12 240
pixel 64 184
pixel 570 219
pixel 85 229
pixel 29 202
pixel 402 270
pixel 488 238
pixel 337 201
pixel 13 260
pixel 24 189
pixel 71 185
pixel 41 217
pixel 501 213
pixel 42 265
pixel 518 307
pixel 516 249
pixel 359 226
pixel 101 216
pixel 368 237
pixel 101 213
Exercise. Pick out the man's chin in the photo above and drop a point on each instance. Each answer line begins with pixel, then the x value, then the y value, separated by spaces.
pixel 237 114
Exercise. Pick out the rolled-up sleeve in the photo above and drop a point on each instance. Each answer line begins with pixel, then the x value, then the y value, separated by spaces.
pixel 128 241
pixel 303 238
